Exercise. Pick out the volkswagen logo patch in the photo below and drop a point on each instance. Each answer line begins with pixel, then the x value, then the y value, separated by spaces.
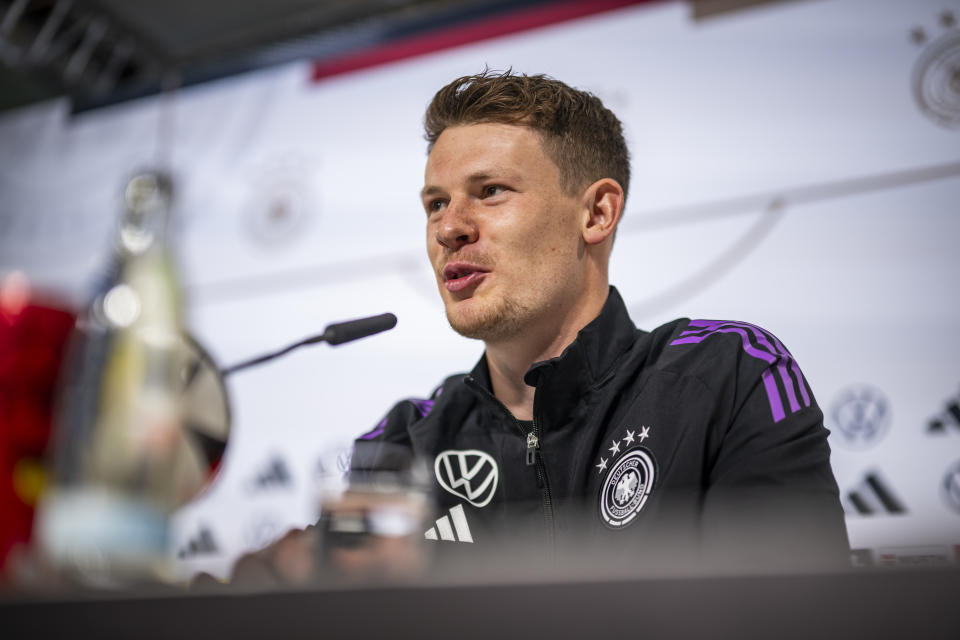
pixel 626 488
pixel 469 474
pixel 950 486
pixel 861 415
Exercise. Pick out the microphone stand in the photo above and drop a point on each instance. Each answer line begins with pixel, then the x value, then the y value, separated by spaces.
pixel 335 334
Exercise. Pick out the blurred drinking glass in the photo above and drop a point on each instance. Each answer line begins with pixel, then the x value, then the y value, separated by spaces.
pixel 124 456
pixel 373 517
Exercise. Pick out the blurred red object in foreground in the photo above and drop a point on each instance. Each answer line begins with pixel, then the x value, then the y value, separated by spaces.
pixel 33 338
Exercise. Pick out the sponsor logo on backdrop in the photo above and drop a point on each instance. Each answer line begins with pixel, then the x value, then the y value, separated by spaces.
pixel 946 420
pixel 281 202
pixel 264 528
pixel 925 556
pixel 861 416
pixel 873 496
pixel 336 463
pixel 919 556
pixel 628 480
pixel 274 475
pixel 452 527
pixel 469 474
pixel 200 544
pixel 950 486
pixel 934 79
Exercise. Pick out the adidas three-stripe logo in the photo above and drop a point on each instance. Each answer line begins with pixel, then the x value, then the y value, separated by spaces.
pixel 872 496
pixel 444 531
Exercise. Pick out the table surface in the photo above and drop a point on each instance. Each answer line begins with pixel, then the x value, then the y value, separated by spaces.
pixel 864 603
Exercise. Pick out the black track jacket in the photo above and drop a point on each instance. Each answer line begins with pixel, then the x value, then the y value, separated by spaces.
pixel 701 431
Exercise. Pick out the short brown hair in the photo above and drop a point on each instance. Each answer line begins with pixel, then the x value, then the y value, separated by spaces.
pixel 580 135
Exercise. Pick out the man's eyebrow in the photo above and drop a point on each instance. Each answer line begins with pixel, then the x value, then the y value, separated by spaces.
pixel 479 176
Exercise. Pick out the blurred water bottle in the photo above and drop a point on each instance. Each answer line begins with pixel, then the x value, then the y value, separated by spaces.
pixel 122 461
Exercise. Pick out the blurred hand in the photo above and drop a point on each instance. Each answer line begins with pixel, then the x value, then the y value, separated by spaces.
pixel 291 560
pixel 361 536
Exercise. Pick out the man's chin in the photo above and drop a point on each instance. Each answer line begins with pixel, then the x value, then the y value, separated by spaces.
pixel 473 330
pixel 483 320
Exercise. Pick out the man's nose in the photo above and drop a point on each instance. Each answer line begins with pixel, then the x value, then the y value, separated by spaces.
pixel 457 227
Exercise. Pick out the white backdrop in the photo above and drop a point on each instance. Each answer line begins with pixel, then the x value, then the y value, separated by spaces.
pixel 784 174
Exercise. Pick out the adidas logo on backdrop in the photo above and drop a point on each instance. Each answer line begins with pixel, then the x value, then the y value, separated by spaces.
pixel 947 420
pixel 202 544
pixel 872 496
pixel 274 475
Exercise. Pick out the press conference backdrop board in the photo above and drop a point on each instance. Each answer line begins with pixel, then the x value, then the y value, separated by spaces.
pixel 786 173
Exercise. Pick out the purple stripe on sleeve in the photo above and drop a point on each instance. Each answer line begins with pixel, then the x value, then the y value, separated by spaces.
pixel 800 382
pixel 783 359
pixel 376 432
pixel 795 368
pixel 779 344
pixel 788 361
pixel 788 385
pixel 423 406
pixel 717 326
pixel 702 325
pixel 706 324
pixel 744 338
pixel 773 395
pixel 768 349
pixel 761 337
pixel 792 363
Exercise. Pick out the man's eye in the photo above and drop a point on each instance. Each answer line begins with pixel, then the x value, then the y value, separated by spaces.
pixel 492 190
pixel 435 205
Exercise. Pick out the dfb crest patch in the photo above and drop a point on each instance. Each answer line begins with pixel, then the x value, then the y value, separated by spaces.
pixel 626 487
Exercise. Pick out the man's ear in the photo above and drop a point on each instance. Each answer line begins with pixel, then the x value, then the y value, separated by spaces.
pixel 603 206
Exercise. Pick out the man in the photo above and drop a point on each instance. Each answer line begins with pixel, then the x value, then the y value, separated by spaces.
pixel 574 424
pixel 575 429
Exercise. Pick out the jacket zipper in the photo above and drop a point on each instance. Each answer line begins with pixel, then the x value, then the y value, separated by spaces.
pixel 533 458
pixel 533 437
pixel 532 444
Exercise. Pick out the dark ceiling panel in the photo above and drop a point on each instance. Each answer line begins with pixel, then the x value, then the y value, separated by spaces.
pixel 184 30
pixel 703 9
pixel 19 89
pixel 102 51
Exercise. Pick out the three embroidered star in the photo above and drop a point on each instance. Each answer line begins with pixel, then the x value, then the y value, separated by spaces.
pixel 615 449
pixel 644 433
pixel 629 438
pixel 603 464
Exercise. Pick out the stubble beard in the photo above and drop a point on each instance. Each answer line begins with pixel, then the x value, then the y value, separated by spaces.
pixel 492 321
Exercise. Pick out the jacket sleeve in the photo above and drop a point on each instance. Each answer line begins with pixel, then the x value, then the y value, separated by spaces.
pixel 387 448
pixel 771 497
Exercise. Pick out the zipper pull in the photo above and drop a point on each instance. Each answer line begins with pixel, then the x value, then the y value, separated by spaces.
pixel 532 444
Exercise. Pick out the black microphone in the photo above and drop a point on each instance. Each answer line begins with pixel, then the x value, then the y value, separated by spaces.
pixel 334 334
pixel 341 332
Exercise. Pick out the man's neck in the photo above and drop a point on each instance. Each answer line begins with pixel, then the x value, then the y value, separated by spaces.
pixel 509 359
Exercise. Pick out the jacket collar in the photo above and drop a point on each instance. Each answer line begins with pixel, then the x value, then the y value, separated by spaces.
pixel 584 363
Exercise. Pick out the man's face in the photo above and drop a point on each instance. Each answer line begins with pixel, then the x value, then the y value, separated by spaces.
pixel 502 235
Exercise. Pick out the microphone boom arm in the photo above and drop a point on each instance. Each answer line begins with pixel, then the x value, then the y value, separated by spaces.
pixel 335 334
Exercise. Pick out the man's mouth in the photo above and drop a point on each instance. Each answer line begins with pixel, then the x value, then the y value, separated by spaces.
pixel 458 276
